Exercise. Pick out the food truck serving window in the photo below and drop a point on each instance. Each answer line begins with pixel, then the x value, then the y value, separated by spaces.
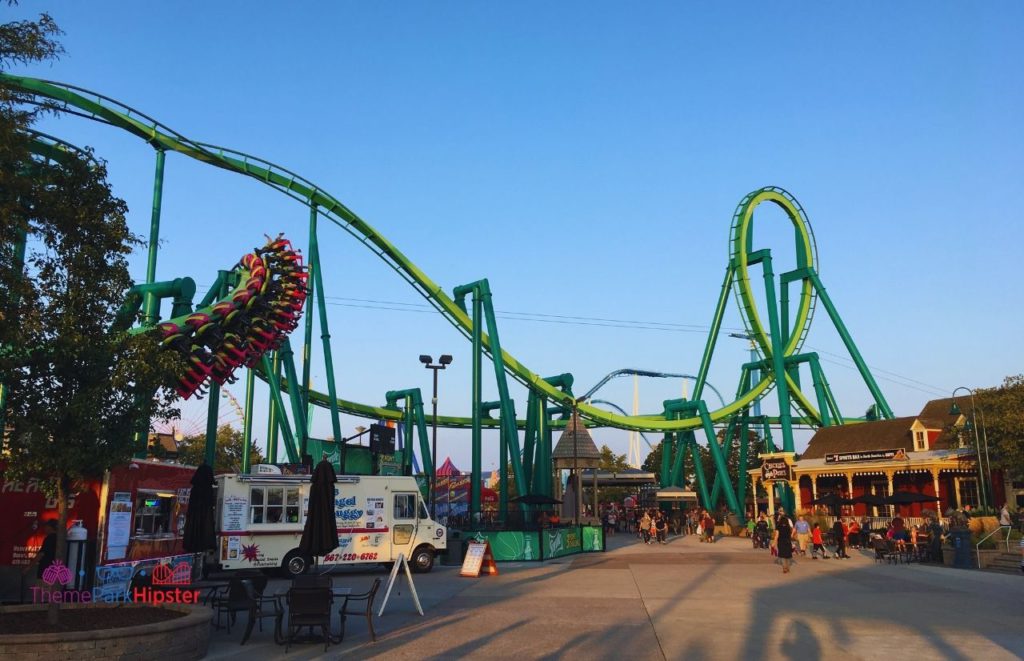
pixel 274 504
pixel 153 510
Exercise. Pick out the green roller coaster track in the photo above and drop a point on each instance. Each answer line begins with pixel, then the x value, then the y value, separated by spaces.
pixel 548 397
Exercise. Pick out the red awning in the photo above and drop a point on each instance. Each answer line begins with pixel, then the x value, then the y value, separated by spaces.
pixel 448 468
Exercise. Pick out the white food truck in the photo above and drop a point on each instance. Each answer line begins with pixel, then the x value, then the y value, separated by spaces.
pixel 260 518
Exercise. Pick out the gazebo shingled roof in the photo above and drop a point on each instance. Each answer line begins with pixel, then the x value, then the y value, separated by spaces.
pixel 575 447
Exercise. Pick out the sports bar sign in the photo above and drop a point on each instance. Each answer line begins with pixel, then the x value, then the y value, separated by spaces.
pixel 866 455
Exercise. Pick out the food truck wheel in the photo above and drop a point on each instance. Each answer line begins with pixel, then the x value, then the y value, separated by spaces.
pixel 423 559
pixel 295 563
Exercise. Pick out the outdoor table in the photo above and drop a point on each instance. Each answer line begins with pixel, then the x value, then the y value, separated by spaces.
pixel 282 594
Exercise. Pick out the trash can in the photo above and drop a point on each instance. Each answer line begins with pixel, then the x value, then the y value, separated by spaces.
pixel 453 556
pixel 961 548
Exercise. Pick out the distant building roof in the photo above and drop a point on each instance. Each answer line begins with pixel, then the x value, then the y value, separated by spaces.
pixel 163 445
pixel 576 446
pixel 890 434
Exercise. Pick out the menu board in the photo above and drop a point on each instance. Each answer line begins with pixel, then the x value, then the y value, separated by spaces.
pixel 235 513
pixel 478 557
pixel 119 526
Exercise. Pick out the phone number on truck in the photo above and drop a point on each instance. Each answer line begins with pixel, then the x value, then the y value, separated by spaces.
pixel 343 557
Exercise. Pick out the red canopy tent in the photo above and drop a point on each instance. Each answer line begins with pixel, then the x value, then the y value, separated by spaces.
pixel 448 468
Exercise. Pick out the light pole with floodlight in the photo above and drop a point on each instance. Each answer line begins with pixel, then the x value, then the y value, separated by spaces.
pixel 984 488
pixel 444 361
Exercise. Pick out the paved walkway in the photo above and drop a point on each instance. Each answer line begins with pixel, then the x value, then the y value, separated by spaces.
pixel 685 600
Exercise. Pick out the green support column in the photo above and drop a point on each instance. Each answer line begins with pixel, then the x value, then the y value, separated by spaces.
pixel 503 476
pixel 250 386
pixel 716 487
pixel 698 469
pixel 543 469
pixel 741 476
pixel 862 367
pixel 509 430
pixel 477 400
pixel 213 403
pixel 819 391
pixel 325 338
pixel 718 457
pixel 295 398
pixel 150 309
pixel 282 421
pixel 529 438
pixel 307 344
pixel 667 448
pixel 272 430
pixel 716 327
pixel 778 359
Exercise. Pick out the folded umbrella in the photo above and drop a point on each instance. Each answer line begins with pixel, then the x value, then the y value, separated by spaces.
pixel 831 499
pixel 320 534
pixel 909 498
pixel 198 535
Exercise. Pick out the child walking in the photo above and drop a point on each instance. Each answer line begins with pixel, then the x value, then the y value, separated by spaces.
pixel 818 544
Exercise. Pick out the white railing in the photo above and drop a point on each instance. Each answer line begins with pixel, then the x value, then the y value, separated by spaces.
pixel 977 547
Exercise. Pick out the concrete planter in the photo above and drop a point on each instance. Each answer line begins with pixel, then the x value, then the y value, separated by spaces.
pixel 180 639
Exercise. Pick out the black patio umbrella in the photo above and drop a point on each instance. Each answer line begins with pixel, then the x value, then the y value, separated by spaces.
pixel 320 533
pixel 871 499
pixel 909 498
pixel 831 499
pixel 535 499
pixel 198 535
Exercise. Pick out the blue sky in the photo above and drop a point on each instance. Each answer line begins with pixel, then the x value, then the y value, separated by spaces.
pixel 587 158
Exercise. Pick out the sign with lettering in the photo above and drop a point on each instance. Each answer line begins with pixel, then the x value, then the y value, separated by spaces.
pixel 775 469
pixel 479 557
pixel 898 454
pixel 235 514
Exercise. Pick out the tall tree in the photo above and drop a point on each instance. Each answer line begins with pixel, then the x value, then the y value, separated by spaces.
pixel 612 462
pixel 77 391
pixel 652 463
pixel 1001 409
pixel 230 450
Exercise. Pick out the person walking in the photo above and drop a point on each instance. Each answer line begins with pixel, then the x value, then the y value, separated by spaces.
pixel 803 534
pixel 709 527
pixel 645 527
pixel 661 528
pixel 817 541
pixel 839 535
pixel 783 542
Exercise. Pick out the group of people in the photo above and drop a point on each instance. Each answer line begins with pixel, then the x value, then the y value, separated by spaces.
pixel 786 537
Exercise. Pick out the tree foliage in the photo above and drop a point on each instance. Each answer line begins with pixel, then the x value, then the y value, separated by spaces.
pixel 229 453
pixel 1001 410
pixel 652 463
pixel 78 391
pixel 612 462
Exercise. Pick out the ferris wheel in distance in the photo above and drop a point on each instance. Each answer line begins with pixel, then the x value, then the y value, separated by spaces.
pixel 193 417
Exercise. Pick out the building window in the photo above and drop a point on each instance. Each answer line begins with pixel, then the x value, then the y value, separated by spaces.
pixel 967 488
pixel 920 441
pixel 274 505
